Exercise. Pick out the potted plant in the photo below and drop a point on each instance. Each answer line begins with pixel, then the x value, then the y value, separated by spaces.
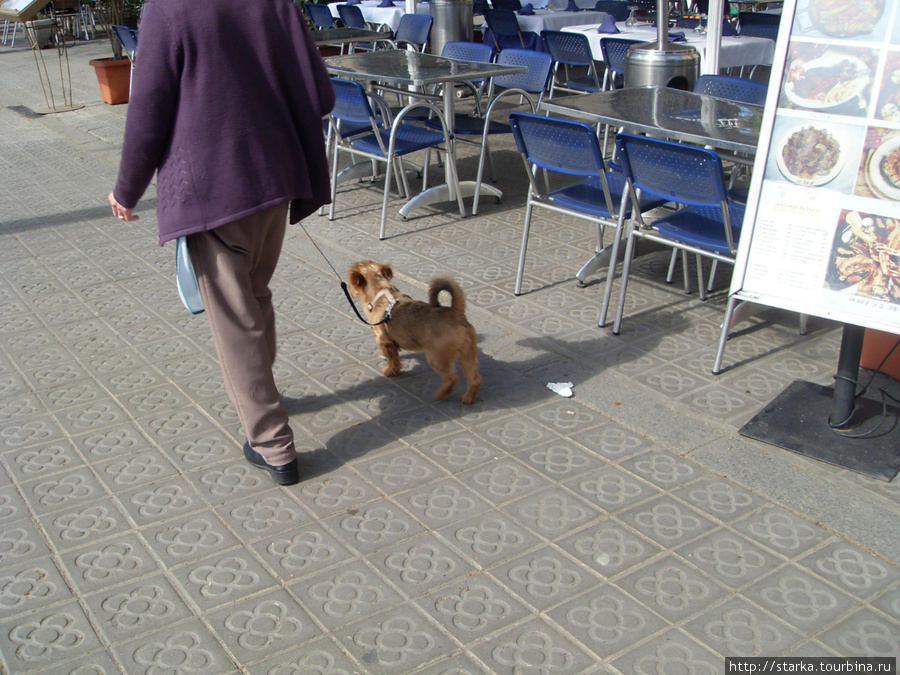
pixel 114 73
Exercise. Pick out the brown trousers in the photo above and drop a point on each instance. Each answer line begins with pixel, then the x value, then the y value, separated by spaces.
pixel 234 264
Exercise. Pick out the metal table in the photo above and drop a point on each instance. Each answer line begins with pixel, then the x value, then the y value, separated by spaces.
pixel 344 36
pixel 661 112
pixel 404 68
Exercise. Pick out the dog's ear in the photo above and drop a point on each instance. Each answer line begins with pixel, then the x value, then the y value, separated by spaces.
pixel 387 272
pixel 357 279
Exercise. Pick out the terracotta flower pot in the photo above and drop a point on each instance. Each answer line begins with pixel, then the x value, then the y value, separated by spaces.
pixel 113 76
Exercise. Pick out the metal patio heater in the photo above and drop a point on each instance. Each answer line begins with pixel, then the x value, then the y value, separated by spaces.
pixel 662 63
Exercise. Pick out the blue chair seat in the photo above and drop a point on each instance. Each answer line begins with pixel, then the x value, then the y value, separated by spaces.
pixel 587 197
pixel 582 84
pixel 701 226
pixel 409 138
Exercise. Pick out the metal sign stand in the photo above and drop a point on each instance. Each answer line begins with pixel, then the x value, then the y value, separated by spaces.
pixel 832 425
pixel 65 75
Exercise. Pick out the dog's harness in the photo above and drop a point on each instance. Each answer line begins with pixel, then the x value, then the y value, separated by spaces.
pixel 384 293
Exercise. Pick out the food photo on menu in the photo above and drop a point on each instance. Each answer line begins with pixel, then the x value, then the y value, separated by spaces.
pixel 865 257
pixel 829 79
pixel 878 174
pixel 841 18
pixel 815 153
pixel 888 107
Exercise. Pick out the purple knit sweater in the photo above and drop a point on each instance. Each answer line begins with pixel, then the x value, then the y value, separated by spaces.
pixel 227 105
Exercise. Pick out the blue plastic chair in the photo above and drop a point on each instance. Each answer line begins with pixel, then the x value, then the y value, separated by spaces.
pixel 128 38
pixel 747 18
pixel 383 145
pixel 509 5
pixel 413 29
pixel 571 149
pixel 737 89
pixel 613 51
pixel 763 30
pixel 571 49
pixel 618 8
pixel 352 17
pixel 478 7
pixel 685 22
pixel 708 225
pixel 319 14
pixel 504 27
pixel 469 51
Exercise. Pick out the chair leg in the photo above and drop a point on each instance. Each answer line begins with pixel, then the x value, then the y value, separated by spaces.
pixel 670 275
pixel 685 272
pixel 701 284
pixel 387 193
pixel 334 171
pixel 626 270
pixel 480 174
pixel 613 260
pixel 804 320
pixel 723 336
pixel 712 275
pixel 525 230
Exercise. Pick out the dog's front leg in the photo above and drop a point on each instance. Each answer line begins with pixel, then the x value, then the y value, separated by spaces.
pixel 390 350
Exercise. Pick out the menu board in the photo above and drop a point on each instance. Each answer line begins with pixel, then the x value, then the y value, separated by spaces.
pixel 822 230
pixel 21 10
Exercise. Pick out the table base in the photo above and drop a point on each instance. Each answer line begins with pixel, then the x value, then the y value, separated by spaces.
pixel 441 193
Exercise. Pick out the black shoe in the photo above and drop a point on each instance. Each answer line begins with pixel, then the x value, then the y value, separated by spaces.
pixel 288 474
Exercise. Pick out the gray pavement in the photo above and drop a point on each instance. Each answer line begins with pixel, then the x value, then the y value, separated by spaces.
pixel 629 529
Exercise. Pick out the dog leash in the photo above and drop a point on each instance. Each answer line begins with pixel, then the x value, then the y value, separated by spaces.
pixel 387 314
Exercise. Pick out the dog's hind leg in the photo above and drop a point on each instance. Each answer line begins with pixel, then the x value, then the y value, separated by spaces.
pixel 469 362
pixel 445 366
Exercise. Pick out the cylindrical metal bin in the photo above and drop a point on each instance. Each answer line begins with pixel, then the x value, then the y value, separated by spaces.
pixel 675 66
pixel 453 20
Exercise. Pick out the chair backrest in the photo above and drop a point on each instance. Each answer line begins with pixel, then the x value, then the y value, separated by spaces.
pixel 351 16
pixel 618 8
pixel 763 30
pixel 510 5
pixel 685 22
pixel 614 50
pixel 128 37
pixel 467 51
pixel 319 14
pixel 571 49
pixel 502 22
pixel 687 174
pixel 414 29
pixel 350 102
pixel 478 7
pixel 535 80
pixel 747 18
pixel 733 88
pixel 564 146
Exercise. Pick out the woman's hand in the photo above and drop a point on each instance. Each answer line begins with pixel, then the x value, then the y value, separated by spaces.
pixel 120 211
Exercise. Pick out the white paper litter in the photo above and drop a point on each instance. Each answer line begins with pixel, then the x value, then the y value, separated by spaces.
pixel 561 388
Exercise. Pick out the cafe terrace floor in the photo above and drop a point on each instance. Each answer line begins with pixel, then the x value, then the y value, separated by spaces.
pixel 628 529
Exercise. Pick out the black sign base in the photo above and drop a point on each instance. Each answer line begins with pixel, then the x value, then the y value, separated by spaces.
pixel 797 420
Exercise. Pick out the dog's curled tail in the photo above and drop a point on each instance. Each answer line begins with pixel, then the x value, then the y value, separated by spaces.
pixel 457 299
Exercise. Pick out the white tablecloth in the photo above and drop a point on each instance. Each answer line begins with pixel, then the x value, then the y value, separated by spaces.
pixel 548 19
pixel 734 52
pixel 383 16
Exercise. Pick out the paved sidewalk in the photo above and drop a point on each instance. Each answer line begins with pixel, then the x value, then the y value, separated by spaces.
pixel 629 529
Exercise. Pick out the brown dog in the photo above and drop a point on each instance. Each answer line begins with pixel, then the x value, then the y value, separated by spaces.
pixel 442 332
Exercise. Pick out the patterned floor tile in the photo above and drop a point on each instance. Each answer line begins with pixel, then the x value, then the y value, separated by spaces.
pixel 295 554
pixel 257 628
pixel 339 596
pixel 667 521
pixel 608 547
pixel 40 639
pixel 671 588
pixel 606 621
pixel 514 433
pixel 781 531
pixel 29 585
pixel 319 657
pixel 122 439
pixel 719 498
pixel 103 564
pixel 373 526
pixel 20 540
pixel 473 608
pixel 188 644
pixel 222 579
pixel 503 480
pixel 865 633
pixel 544 577
pixel 189 538
pixel 126 610
pixel 205 450
pixel 61 491
pixel 400 470
pixel 263 514
pixel 550 511
pixel 664 469
pixel 229 481
pixel 489 538
pixel 800 599
pixel 611 489
pixel 560 459
pixel 458 451
pixel 851 569
pixel 738 628
pixel 337 492
pixel 729 557
pixel 128 471
pixel 417 565
pixel 611 441
pixel 442 502
pixel 533 646
pixel 671 651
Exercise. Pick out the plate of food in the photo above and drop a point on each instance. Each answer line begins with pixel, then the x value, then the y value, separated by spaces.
pixel 865 258
pixel 883 170
pixel 845 19
pixel 809 155
pixel 827 81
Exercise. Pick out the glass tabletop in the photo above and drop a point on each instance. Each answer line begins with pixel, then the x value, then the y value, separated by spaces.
pixel 399 66
pixel 670 113
pixel 334 36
